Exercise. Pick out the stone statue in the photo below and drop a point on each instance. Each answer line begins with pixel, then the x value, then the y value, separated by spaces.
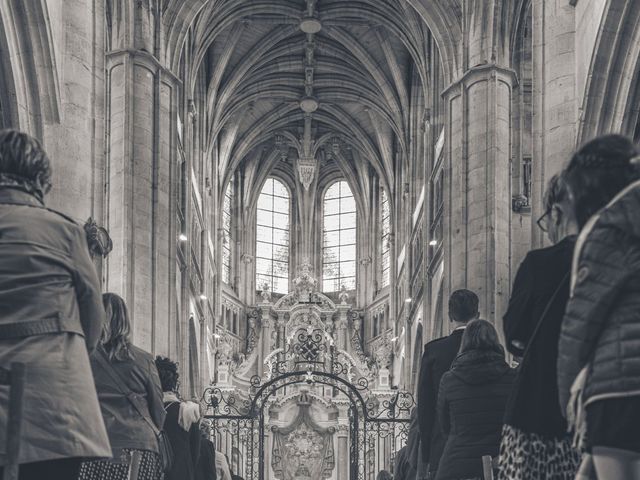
pixel 344 295
pixel 266 293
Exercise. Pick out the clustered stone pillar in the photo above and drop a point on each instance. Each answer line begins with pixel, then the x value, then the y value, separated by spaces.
pixel 142 99
pixel 478 165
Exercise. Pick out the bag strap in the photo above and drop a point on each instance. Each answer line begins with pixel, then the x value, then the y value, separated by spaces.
pixel 562 283
pixel 101 357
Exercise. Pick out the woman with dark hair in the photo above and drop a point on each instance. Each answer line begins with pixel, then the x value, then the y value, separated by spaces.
pixel 533 420
pixel 51 316
pixel 599 348
pixel 182 424
pixel 471 402
pixel 124 374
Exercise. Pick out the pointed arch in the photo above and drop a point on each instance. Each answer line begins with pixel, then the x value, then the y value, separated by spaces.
pixel 339 234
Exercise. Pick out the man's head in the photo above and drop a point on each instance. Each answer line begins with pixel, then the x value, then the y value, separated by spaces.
pixel 23 160
pixel 463 306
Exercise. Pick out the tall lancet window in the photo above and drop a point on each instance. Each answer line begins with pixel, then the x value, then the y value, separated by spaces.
pixel 272 237
pixel 385 248
pixel 227 238
pixel 339 239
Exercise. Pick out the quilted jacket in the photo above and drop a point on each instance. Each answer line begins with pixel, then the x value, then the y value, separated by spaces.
pixel 471 404
pixel 601 326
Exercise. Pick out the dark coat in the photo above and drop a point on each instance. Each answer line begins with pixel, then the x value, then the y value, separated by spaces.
pixel 51 315
pixel 602 321
pixel 125 426
pixel 533 405
pixel 185 445
pixel 403 469
pixel 436 360
pixel 206 468
pixel 471 403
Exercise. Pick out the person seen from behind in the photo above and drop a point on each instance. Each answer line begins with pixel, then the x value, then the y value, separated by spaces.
pixel 51 317
pixel 124 374
pixel 599 347
pixel 471 403
pixel 533 420
pixel 206 468
pixel 182 424
pixel 436 360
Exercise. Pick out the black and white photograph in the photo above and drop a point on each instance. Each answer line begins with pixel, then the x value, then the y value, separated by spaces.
pixel 319 239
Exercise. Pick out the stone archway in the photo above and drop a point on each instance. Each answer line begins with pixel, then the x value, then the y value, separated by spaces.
pixel 613 81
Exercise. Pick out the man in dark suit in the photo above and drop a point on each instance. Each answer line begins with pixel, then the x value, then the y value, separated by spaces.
pixel 436 360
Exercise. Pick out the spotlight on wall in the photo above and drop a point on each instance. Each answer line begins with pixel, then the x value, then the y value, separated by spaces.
pixel 216 336
pixel 182 237
pixel 407 300
pixel 433 243
pixel 203 296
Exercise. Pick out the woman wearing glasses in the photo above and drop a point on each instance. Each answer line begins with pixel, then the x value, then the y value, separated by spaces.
pixel 535 445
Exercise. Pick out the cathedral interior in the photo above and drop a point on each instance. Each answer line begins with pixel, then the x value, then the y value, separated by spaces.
pixel 286 181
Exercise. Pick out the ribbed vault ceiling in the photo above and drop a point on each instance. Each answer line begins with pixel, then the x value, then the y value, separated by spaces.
pixel 359 70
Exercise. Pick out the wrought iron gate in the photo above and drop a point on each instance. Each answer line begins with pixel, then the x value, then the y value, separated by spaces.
pixel 376 429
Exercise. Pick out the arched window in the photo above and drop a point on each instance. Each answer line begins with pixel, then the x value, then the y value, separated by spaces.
pixel 385 230
pixel 272 237
pixel 227 239
pixel 339 238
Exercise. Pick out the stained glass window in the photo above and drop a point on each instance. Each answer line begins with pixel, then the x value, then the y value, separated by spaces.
pixel 339 238
pixel 272 237
pixel 227 239
pixel 385 250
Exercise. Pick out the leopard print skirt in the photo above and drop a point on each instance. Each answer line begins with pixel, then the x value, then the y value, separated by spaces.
pixel 527 456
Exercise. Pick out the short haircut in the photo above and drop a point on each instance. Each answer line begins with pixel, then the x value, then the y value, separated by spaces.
pixel 463 305
pixel 168 373
pixel 480 335
pixel 23 159
pixel 557 191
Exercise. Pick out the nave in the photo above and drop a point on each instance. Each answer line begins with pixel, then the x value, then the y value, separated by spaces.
pixel 294 210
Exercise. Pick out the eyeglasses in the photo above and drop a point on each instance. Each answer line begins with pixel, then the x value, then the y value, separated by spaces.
pixel 542 221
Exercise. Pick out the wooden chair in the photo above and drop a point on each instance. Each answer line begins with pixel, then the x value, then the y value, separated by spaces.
pixel 15 379
pixel 489 465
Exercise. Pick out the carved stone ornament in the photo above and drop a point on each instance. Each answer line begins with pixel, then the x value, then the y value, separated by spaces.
pixel 520 204
pixel 305 283
pixel 344 295
pixel 98 239
pixel 306 171
pixel 382 348
pixel 266 293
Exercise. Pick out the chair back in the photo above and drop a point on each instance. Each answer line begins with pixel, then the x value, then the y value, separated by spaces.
pixel 489 465
pixel 15 379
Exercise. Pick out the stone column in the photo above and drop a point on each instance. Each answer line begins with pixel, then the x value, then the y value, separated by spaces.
pixel 477 182
pixel 341 326
pixel 265 334
pixel 141 111
pixel 342 462
pixel 555 99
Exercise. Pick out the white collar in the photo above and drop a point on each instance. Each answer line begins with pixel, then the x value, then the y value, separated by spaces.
pixel 462 327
